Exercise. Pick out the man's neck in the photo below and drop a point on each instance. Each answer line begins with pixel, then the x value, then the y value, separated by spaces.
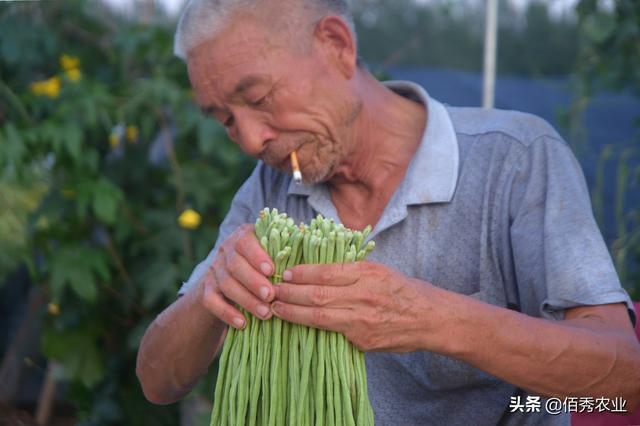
pixel 381 143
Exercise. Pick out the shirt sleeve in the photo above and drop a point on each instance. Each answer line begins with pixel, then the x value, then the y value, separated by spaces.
pixel 245 206
pixel 559 255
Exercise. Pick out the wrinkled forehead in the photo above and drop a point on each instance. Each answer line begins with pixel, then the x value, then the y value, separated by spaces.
pixel 246 46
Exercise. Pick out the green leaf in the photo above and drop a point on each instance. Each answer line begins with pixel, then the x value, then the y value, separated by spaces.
pixel 106 197
pixel 203 196
pixel 135 336
pixel 85 193
pixel 17 201
pixel 159 281
pixel 77 267
pixel 83 284
pixel 104 206
pixel 9 49
pixel 12 149
pixel 91 159
pixel 210 135
pixel 73 141
pixel 599 27
pixel 78 353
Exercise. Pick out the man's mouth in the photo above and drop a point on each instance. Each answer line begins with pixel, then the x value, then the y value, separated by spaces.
pixel 283 163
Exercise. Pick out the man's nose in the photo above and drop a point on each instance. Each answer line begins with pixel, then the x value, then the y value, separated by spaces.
pixel 252 134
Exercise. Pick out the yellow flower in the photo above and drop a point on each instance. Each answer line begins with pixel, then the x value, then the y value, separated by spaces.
pixel 53 309
pixel 132 134
pixel 114 140
pixel 73 74
pixel 69 62
pixel 49 87
pixel 189 219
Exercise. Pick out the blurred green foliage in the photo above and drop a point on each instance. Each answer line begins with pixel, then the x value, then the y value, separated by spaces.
pixel 17 201
pixel 610 50
pixel 450 33
pixel 101 150
pixel 609 59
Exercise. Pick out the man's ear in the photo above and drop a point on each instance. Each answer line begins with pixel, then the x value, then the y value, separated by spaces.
pixel 335 38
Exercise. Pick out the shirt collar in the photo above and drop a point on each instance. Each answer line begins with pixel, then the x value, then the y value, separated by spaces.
pixel 432 174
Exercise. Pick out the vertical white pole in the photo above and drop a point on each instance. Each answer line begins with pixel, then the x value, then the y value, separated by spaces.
pixel 490 47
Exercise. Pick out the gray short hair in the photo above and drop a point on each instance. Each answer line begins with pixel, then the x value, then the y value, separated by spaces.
pixel 201 20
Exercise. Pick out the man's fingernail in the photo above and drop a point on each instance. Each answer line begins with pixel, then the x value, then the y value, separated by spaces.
pixel 238 322
pixel 264 293
pixel 287 275
pixel 265 268
pixel 262 310
pixel 275 307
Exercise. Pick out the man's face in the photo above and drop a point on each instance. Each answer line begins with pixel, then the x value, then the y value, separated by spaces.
pixel 273 98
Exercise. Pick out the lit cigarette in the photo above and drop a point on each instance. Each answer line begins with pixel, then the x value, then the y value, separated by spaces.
pixel 297 175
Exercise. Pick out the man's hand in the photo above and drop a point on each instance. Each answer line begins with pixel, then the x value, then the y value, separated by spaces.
pixel 239 274
pixel 180 344
pixel 593 352
pixel 373 306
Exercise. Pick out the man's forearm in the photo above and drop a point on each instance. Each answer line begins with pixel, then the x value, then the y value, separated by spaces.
pixel 575 357
pixel 178 348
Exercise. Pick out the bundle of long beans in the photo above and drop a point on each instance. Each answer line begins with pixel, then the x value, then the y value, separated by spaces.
pixel 277 373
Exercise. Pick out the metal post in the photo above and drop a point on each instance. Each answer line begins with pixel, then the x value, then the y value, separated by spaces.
pixel 490 47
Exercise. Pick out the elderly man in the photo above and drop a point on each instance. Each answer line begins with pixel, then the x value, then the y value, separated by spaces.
pixel 490 283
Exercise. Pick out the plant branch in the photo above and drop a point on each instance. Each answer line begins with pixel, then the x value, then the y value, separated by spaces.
pixel 118 261
pixel 13 98
pixel 179 182
pixel 139 309
pixel 137 224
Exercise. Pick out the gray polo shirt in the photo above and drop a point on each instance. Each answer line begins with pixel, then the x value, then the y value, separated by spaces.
pixel 494 205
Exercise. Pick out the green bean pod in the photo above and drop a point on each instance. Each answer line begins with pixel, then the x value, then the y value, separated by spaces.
pixel 275 373
pixel 274 243
pixel 331 246
pixel 323 250
pixel 340 247
pixel 357 240
pixel 366 231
